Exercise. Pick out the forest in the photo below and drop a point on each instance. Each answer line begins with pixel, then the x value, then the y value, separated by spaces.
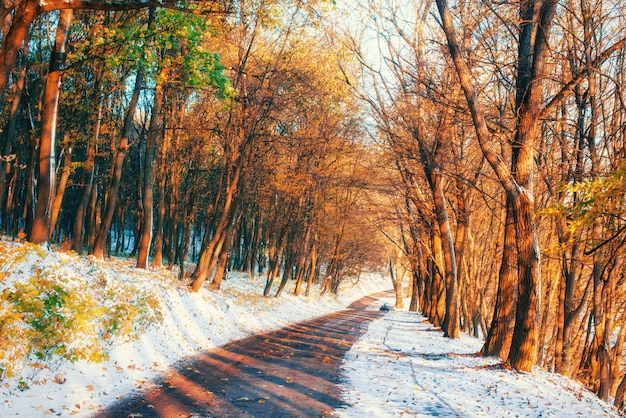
pixel 474 150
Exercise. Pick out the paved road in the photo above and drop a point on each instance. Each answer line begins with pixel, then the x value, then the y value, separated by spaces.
pixel 292 372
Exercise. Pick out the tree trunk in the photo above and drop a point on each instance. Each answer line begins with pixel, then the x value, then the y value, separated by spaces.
pixel 208 258
pixel 29 188
pixel 533 44
pixel 451 322
pixel 619 394
pixel 12 40
pixel 498 341
pixel 40 229
pixel 157 258
pixel 65 175
pixel 272 270
pixel 396 282
pixel 438 286
pixel 618 355
pixel 254 251
pixel 148 177
pixel 222 263
pixel 414 303
pixel 222 249
pixel 12 123
pixel 287 273
pixel 334 260
pixel 78 234
pixel 118 165
pixel 302 261
pixel 518 185
pixel 220 272
pixel 94 215
pixel 524 344
pixel 312 267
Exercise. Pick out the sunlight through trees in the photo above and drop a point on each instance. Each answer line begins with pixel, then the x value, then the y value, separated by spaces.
pixel 474 151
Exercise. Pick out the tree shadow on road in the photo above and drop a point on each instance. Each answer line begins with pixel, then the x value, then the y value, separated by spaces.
pixel 291 372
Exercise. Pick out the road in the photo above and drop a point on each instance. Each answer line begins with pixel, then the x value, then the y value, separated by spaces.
pixel 291 372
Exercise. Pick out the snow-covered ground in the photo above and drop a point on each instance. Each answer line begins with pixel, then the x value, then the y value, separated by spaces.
pixel 400 367
pixel 412 371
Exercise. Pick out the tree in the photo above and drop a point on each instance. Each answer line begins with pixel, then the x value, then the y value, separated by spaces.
pixel 40 229
pixel 536 21
pixel 123 145
pixel 182 58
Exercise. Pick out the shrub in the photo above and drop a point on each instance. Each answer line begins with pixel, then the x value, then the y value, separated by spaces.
pixel 45 322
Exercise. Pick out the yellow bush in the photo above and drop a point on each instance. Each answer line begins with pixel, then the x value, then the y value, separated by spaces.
pixel 44 322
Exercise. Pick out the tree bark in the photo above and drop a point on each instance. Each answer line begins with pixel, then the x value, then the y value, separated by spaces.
pixel 532 58
pixel 396 281
pixel 312 268
pixel 116 177
pixel 10 130
pixel 148 177
pixel 40 230
pixel 438 287
pixel 161 227
pixel 78 233
pixel 12 40
pixel 619 394
pixel 210 254
pixel 302 261
pixel 221 256
pixel 451 322
pixel 65 175
pixel 498 341
pixel 517 184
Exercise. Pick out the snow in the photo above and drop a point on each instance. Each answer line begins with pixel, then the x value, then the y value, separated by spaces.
pixel 417 372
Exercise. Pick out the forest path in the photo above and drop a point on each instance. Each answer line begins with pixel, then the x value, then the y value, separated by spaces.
pixel 290 372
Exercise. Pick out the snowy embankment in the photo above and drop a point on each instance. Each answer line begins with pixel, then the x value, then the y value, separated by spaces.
pixel 188 323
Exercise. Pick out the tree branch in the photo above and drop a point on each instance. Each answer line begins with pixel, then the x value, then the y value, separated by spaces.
pixel 562 94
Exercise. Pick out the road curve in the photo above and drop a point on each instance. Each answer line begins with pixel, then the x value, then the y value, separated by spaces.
pixel 291 372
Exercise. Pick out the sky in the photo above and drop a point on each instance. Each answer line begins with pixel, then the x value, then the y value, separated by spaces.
pixel 401 366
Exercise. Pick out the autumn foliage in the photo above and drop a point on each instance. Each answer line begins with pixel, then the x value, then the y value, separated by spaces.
pixel 475 151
